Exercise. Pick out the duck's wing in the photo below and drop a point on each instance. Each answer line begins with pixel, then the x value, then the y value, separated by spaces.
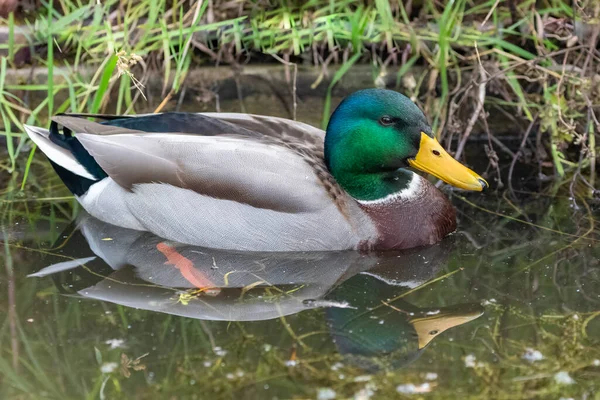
pixel 205 124
pixel 237 184
pixel 209 156
pixel 275 127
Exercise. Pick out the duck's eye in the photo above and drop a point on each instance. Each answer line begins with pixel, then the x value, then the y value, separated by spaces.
pixel 386 121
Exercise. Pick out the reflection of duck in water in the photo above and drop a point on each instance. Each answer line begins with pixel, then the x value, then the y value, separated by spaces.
pixel 141 270
pixel 385 331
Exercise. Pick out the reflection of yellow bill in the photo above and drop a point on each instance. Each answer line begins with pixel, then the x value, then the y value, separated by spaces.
pixel 429 327
pixel 433 159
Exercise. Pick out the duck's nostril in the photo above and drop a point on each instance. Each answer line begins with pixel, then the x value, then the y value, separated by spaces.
pixel 484 184
pixel 435 153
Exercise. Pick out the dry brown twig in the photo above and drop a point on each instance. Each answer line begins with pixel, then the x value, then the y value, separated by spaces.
pixel 475 116
pixel 124 63
pixel 287 63
pixel 518 153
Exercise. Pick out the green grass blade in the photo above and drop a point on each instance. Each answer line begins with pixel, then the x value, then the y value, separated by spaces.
pixel 104 83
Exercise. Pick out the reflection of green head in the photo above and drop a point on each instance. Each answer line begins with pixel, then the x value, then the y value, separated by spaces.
pixel 374 340
pixel 378 336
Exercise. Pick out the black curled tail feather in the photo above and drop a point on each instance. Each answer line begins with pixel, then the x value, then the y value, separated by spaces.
pixel 78 185
pixel 69 142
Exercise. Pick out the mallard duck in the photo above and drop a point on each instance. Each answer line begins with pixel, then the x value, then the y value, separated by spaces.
pixel 258 183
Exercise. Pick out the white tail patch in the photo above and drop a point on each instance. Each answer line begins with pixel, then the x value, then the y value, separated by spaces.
pixel 57 154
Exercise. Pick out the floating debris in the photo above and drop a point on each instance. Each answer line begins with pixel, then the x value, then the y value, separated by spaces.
pixel 431 376
pixel 336 366
pixel 326 394
pixel 128 364
pixel 563 378
pixel 115 343
pixel 108 367
pixel 532 355
pixel 470 361
pixel 219 351
pixel 410 388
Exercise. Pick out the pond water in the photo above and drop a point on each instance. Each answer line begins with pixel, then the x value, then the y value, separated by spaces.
pixel 507 307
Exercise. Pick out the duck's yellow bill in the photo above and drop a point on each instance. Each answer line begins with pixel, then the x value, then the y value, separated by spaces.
pixel 433 159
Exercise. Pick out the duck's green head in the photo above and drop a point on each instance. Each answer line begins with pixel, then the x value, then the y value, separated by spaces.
pixel 374 134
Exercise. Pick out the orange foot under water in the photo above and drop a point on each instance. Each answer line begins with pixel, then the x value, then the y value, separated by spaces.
pixel 187 269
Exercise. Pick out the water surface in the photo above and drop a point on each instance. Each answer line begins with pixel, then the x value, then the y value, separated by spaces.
pixel 507 307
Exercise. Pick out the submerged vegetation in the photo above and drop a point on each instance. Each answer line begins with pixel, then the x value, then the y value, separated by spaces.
pixel 532 66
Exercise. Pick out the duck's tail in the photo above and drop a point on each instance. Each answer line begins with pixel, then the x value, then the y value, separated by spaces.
pixel 73 164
